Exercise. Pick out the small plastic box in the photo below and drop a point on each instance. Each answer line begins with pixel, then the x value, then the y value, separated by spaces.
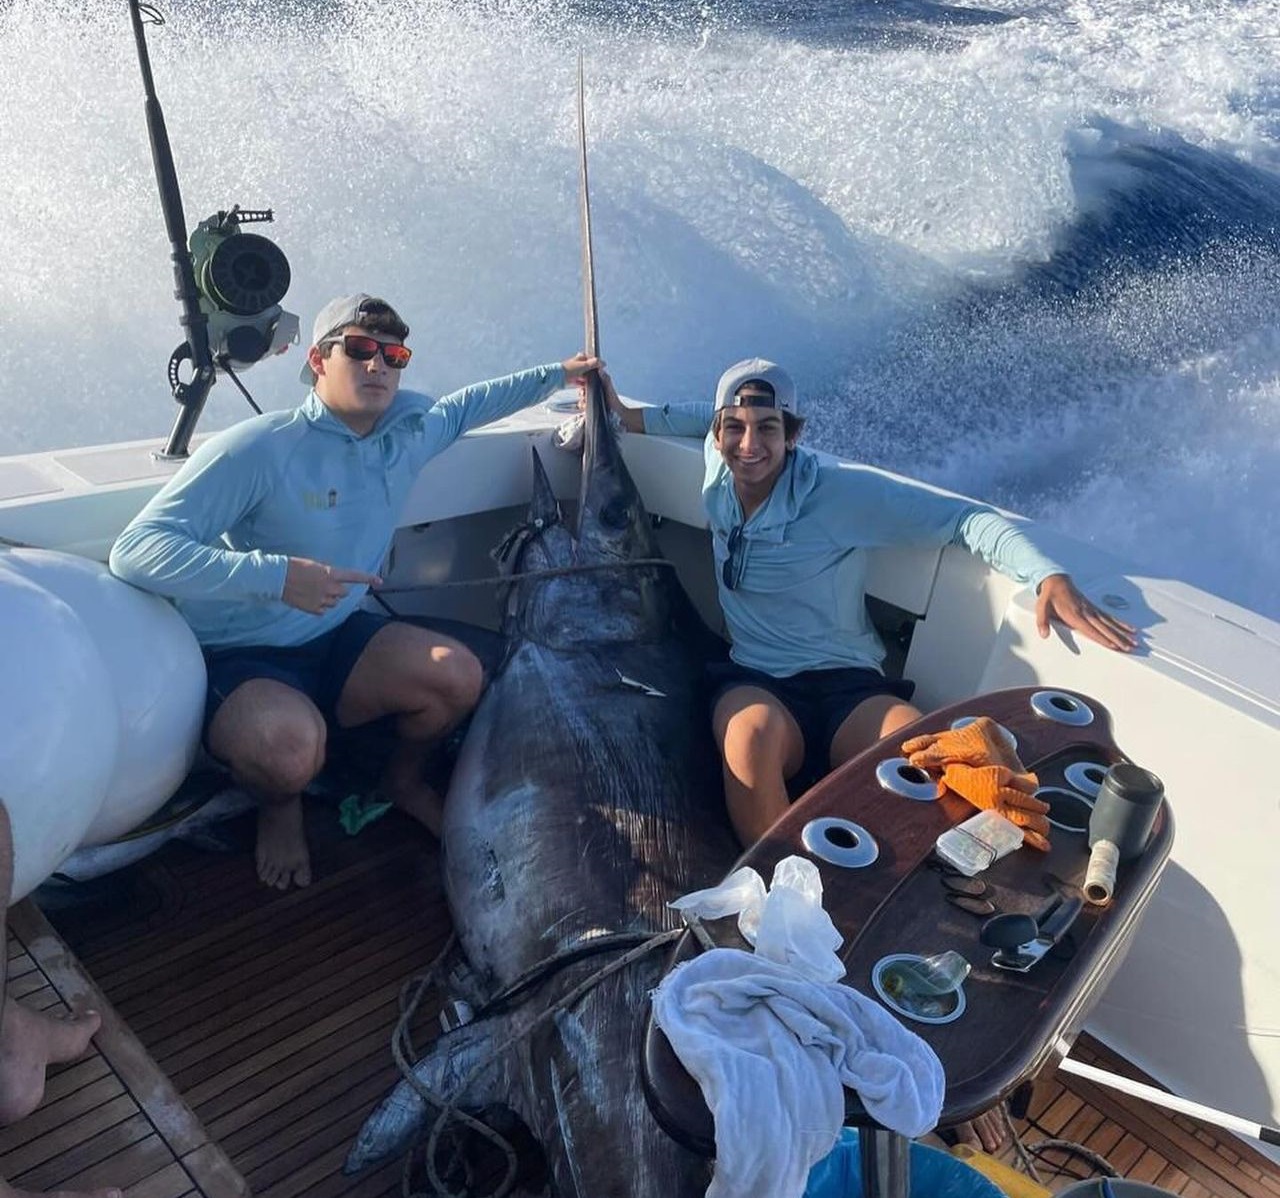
pixel 979 842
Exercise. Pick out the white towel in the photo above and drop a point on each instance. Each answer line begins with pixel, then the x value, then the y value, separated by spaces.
pixel 772 1052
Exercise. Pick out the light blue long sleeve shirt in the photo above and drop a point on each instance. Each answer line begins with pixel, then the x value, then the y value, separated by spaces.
pixel 800 566
pixel 217 537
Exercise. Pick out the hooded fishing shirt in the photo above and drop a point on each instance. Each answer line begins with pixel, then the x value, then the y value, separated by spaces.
pixel 800 562
pixel 217 538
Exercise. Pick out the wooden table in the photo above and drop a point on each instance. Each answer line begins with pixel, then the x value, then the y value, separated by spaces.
pixel 1015 1025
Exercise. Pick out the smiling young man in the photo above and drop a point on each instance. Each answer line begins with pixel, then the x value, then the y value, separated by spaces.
pixel 791 531
pixel 268 540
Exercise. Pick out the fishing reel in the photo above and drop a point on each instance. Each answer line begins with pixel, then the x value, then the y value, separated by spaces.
pixel 229 283
pixel 241 279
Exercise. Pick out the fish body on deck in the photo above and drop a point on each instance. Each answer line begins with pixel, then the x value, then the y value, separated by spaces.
pixel 587 795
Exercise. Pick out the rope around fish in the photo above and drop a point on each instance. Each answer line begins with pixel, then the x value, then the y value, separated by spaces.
pixel 448 1110
pixel 525 575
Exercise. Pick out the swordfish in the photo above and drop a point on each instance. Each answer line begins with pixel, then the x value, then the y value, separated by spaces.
pixel 586 796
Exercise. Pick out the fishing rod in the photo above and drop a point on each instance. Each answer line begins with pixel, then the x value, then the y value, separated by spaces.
pixel 228 283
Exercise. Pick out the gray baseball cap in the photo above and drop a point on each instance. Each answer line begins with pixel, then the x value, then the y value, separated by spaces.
pixel 337 314
pixel 756 370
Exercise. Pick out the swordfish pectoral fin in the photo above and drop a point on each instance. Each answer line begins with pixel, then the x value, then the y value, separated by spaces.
pixel 458 1070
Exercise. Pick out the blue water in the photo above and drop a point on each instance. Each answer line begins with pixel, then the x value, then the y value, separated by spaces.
pixel 1028 251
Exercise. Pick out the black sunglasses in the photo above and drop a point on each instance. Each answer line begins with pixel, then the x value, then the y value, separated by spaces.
pixel 731 572
pixel 961 891
pixel 361 349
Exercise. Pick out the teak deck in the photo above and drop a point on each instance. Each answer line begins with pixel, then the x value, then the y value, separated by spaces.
pixel 271 1014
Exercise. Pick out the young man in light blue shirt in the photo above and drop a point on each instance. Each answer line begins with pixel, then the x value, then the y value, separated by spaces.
pixel 269 538
pixel 790 532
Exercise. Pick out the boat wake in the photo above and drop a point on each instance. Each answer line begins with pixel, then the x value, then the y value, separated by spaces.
pixel 1020 251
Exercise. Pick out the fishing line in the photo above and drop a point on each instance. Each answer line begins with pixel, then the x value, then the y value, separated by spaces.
pixel 563 1004
pixel 405 1056
pixel 449 1111
pixel 504 579
pixel 525 575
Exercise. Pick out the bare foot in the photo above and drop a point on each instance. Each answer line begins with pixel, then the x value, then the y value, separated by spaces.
pixel 29 1041
pixel 282 854
pixel 986 1132
pixel 7 1191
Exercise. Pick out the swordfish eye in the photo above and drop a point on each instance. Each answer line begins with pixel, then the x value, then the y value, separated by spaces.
pixel 616 513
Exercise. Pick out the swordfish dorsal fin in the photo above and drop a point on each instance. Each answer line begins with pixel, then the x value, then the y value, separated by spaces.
pixel 544 507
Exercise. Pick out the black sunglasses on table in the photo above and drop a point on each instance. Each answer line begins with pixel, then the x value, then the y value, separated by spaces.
pixel 966 893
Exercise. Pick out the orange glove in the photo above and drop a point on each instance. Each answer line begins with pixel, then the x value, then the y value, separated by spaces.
pixel 997 788
pixel 980 743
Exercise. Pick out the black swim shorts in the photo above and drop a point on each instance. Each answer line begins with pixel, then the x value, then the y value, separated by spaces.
pixel 819 700
pixel 318 668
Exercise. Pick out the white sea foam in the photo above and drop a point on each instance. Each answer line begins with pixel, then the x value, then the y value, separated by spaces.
pixel 823 193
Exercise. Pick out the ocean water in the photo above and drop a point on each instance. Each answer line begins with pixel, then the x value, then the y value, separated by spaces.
pixel 1029 251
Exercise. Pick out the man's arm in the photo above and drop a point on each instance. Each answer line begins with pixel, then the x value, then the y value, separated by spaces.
pixel 1007 547
pixel 669 420
pixel 483 403
pixel 901 512
pixel 174 545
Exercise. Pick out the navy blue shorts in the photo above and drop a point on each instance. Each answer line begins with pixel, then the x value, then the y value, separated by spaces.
pixel 819 700
pixel 318 668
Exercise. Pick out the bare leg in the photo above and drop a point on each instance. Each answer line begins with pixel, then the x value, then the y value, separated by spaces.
pixel 761 746
pixel 430 682
pixel 273 739
pixel 30 1041
pixel 870 721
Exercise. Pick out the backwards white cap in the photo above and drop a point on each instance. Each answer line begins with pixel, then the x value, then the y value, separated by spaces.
pixel 757 370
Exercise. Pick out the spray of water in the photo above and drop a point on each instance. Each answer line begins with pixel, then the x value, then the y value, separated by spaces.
pixel 1030 254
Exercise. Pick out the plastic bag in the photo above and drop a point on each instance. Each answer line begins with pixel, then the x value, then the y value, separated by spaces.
pixel 786 923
